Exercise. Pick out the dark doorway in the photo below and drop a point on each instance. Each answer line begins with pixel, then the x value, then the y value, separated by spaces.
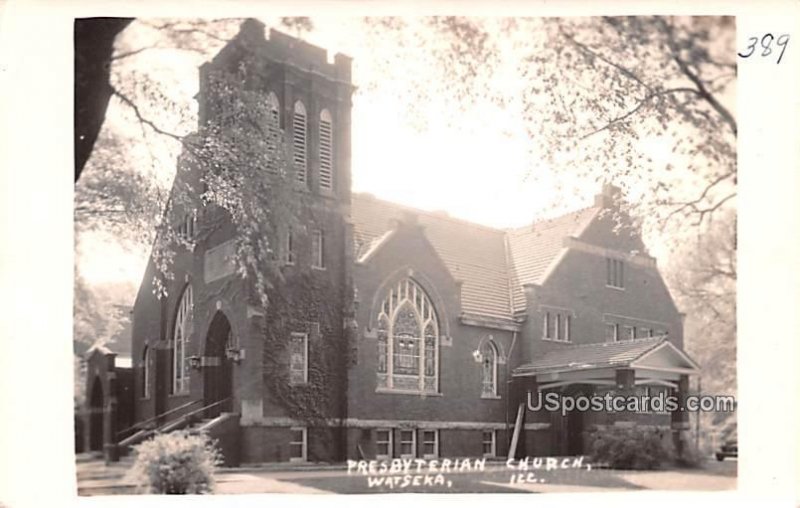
pixel 574 427
pixel 96 416
pixel 218 368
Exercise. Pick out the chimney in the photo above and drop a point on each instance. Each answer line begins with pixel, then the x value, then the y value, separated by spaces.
pixel 252 30
pixel 608 197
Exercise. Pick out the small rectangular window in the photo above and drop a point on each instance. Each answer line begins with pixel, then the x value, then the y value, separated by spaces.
pixel 615 273
pixel 298 445
pixel 612 332
pixel 430 444
pixel 548 326
pixel 559 334
pixel 408 444
pixel 298 359
pixel 556 325
pixel 383 443
pixel 318 249
pixel 288 248
pixel 489 443
pixel 629 333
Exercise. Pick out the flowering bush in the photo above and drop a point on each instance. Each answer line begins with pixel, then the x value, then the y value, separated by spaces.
pixel 180 462
pixel 631 447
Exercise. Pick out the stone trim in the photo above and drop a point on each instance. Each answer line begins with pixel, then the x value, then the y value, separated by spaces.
pixel 282 421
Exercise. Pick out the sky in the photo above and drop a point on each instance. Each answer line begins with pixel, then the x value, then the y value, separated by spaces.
pixel 473 163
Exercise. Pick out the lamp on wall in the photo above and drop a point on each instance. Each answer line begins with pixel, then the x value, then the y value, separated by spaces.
pixel 194 362
pixel 477 356
pixel 236 355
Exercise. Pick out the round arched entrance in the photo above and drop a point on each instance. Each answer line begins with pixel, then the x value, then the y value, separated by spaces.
pixel 218 370
pixel 96 404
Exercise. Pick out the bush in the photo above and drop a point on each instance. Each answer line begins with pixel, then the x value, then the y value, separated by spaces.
pixel 631 447
pixel 180 462
pixel 690 456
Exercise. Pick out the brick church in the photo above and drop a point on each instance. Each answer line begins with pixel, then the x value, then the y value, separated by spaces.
pixel 391 332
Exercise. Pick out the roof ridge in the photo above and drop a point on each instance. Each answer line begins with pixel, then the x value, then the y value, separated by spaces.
pixel 605 343
pixel 429 213
pixel 526 228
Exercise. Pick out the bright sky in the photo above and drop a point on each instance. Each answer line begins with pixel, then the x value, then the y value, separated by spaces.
pixel 471 164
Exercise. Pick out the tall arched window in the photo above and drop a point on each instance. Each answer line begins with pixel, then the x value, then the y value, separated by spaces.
pixel 180 340
pixel 408 340
pixel 325 150
pixel 273 130
pixel 489 369
pixel 299 138
pixel 146 372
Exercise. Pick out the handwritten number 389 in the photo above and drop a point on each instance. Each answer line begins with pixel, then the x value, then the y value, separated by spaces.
pixel 766 45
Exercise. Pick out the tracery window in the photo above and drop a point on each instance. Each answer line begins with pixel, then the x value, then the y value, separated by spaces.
pixel 408 340
pixel 180 341
pixel 489 369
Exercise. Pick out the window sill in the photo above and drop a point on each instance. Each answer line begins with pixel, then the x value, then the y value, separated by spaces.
pixel 615 287
pixel 556 340
pixel 319 268
pixel 395 391
pixel 491 397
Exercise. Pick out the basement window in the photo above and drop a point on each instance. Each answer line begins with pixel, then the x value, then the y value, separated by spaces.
pixel 298 446
pixel 430 444
pixel 408 444
pixel 383 443
pixel 489 443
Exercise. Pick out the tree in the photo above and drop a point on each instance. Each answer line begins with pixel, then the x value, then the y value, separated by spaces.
pixel 605 85
pixel 600 98
pixel 703 278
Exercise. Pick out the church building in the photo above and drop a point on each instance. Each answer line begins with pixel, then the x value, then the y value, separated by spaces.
pixel 390 331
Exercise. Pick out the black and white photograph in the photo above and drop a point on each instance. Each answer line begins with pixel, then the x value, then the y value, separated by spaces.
pixel 430 253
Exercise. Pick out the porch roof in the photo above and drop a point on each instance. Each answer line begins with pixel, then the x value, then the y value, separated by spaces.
pixel 653 352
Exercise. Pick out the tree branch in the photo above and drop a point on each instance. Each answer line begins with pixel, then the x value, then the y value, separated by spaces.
pixel 128 102
pixel 639 106
pixel 702 91
pixel 625 72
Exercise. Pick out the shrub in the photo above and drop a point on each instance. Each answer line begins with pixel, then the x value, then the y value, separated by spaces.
pixel 631 447
pixel 689 456
pixel 180 462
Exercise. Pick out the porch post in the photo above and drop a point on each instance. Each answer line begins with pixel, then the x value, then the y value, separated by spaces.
pixel 680 418
pixel 625 379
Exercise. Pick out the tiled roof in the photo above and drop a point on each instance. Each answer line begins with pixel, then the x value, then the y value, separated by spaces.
pixel 533 248
pixel 591 356
pixel 491 263
pixel 474 254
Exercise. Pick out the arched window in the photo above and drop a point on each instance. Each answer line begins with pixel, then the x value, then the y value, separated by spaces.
pixel 299 137
pixel 146 372
pixel 325 150
pixel 489 369
pixel 273 130
pixel 180 340
pixel 408 340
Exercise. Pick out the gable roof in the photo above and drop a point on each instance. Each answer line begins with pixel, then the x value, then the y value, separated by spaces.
pixel 492 264
pixel 474 254
pixel 534 248
pixel 594 356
